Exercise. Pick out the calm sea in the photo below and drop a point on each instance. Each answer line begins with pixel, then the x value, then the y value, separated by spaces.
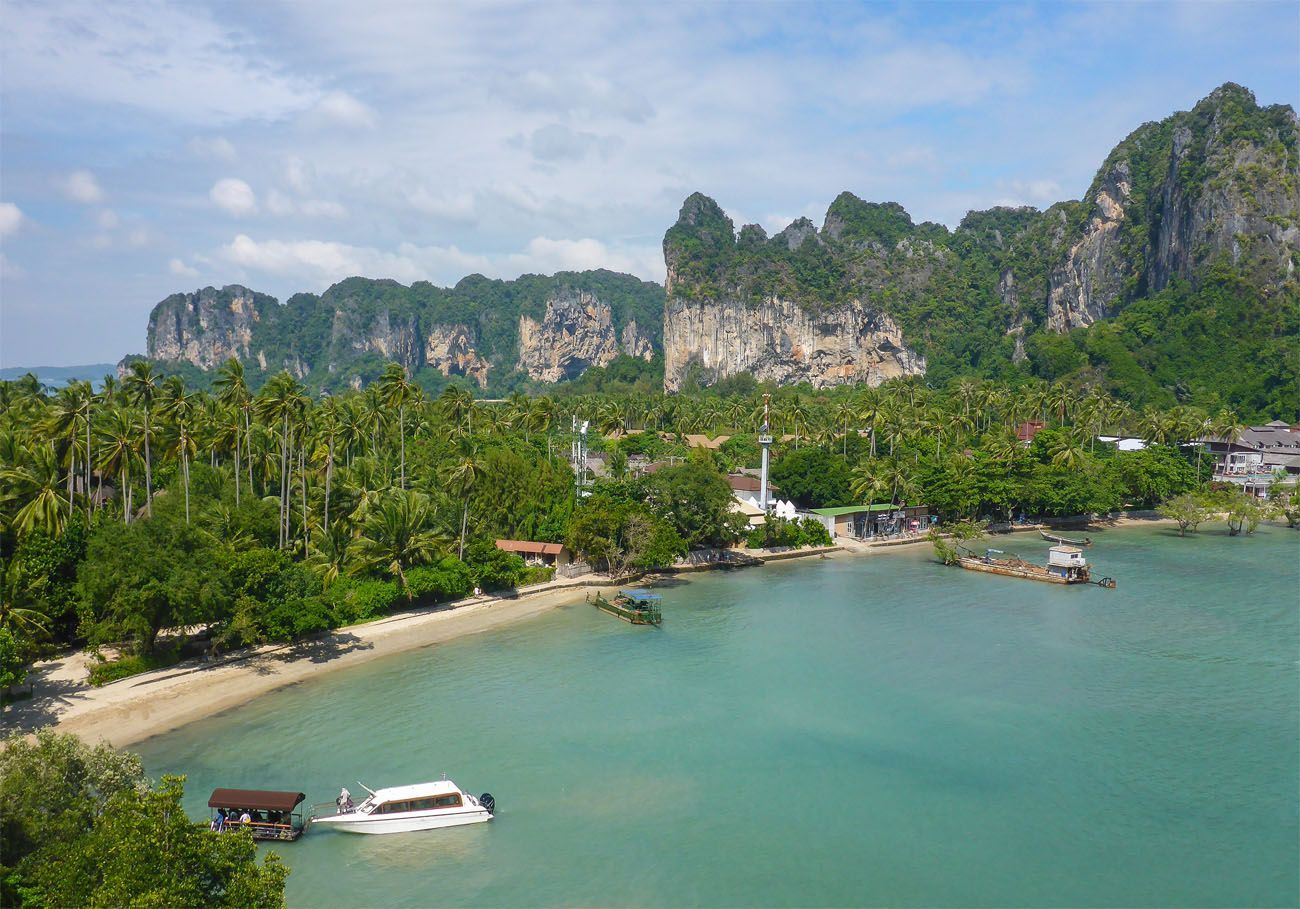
pixel 849 732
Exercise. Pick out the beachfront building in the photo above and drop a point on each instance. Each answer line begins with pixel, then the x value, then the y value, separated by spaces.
pixel 552 555
pixel 1258 457
pixel 872 522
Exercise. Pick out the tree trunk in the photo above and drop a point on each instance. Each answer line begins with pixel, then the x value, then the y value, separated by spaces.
pixel 401 432
pixel 238 468
pixel 148 466
pixel 464 519
pixel 185 466
pixel 302 476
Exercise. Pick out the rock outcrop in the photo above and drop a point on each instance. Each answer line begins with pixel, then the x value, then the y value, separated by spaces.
pixel 349 332
pixel 577 331
pixel 780 341
pixel 206 327
pixel 1218 183
pixel 450 349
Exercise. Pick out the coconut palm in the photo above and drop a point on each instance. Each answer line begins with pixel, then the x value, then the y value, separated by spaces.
pixel 232 391
pixel 31 486
pixel 397 390
pixel 462 474
pixel 398 534
pixel 141 385
pixel 117 435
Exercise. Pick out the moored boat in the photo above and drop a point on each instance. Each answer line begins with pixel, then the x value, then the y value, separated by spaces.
pixel 639 607
pixel 1066 541
pixel 404 809
pixel 1065 565
pixel 266 814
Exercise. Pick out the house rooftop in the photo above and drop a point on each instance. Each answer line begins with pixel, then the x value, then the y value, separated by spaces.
pixel 853 509
pixel 529 547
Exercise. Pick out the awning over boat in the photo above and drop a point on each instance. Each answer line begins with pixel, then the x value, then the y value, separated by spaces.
pixel 255 799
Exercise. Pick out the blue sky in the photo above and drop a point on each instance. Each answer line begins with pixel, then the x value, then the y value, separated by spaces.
pixel 152 147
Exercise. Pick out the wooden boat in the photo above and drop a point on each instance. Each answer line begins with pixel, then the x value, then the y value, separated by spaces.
pixel 1054 538
pixel 639 607
pixel 266 814
pixel 1065 565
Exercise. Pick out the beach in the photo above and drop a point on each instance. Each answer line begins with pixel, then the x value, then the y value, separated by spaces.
pixel 133 709
pixel 128 711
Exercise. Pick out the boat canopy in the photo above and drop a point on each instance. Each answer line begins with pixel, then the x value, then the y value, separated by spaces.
pixel 255 799
pixel 640 593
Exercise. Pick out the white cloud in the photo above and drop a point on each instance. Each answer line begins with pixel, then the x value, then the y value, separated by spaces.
pixel 213 148
pixel 342 109
pixel 173 59
pixel 106 219
pixel 320 263
pixel 298 174
pixel 180 269
pixel 277 203
pixel 233 196
pixel 449 206
pixel 11 218
pixel 81 186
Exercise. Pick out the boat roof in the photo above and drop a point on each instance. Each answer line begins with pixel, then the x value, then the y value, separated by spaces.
pixel 640 593
pixel 1066 549
pixel 416 790
pixel 255 799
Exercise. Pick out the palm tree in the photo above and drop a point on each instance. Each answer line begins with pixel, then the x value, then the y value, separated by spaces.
pixel 19 612
pixel 330 553
pixel 118 435
pixel 179 408
pixel 1067 451
pixel 280 399
pixel 141 384
pixel 398 391
pixel 397 535
pixel 458 406
pixel 32 485
pixel 232 391
pixel 462 474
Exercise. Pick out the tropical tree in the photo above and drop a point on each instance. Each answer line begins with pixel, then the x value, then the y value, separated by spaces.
pixel 397 534
pixel 141 385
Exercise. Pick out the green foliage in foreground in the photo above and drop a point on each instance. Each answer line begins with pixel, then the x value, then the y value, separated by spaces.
pixel 778 533
pixel 81 826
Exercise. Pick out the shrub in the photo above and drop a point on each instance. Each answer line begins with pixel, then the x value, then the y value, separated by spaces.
pixel 356 600
pixel 449 579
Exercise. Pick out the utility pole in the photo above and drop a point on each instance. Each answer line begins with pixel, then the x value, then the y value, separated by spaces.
pixel 764 439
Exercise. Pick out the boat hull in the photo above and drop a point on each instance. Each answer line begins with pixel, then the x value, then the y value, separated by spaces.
pixel 1013 571
pixel 407 822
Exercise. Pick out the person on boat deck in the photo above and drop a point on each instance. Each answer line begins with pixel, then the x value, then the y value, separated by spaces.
pixel 245 818
pixel 219 822
pixel 344 801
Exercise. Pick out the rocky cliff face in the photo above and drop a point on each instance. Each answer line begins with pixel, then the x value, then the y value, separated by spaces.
pixel 576 332
pixel 1218 183
pixel 344 336
pixel 206 327
pixel 450 349
pixel 780 341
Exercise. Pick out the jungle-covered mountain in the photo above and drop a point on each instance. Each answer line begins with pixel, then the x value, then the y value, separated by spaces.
pixel 493 333
pixel 1173 279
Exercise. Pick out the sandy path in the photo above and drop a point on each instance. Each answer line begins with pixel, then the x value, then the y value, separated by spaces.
pixel 133 709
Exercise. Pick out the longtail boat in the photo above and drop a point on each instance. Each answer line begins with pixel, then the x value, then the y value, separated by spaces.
pixel 1054 538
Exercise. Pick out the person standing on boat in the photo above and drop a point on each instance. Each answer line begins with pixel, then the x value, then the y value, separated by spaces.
pixel 344 801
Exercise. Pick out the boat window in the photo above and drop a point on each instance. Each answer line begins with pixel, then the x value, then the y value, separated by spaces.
pixel 395 807
pixel 421 804
pixel 447 801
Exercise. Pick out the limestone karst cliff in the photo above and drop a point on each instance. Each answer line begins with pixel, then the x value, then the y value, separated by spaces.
pixel 546 327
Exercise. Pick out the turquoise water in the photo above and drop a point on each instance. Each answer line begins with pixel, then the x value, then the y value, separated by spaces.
pixel 848 732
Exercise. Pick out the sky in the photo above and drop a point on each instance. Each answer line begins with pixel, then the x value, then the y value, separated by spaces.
pixel 152 147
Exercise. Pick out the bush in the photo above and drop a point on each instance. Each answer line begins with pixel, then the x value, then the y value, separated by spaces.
pixel 357 600
pixel 537 574
pixel 449 579
pixel 493 568
pixel 110 671
pixel 781 533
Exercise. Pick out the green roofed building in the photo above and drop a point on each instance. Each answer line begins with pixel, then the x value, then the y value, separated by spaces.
pixel 867 522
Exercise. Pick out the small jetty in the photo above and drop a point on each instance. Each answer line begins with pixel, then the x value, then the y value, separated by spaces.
pixel 266 814
pixel 1067 541
pixel 639 607
pixel 1065 565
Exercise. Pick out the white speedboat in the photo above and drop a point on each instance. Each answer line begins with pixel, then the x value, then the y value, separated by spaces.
pixel 402 809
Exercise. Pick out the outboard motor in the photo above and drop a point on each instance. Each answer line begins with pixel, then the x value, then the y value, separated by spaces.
pixel 489 803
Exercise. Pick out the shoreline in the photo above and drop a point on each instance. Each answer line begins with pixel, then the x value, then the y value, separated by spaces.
pixel 152 703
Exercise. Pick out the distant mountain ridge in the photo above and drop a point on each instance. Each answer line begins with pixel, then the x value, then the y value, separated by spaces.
pixel 1174 278
pixel 547 328
pixel 58 376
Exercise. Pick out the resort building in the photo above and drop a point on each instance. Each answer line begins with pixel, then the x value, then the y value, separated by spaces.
pixel 552 555
pixel 1026 431
pixel 868 522
pixel 1258 457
